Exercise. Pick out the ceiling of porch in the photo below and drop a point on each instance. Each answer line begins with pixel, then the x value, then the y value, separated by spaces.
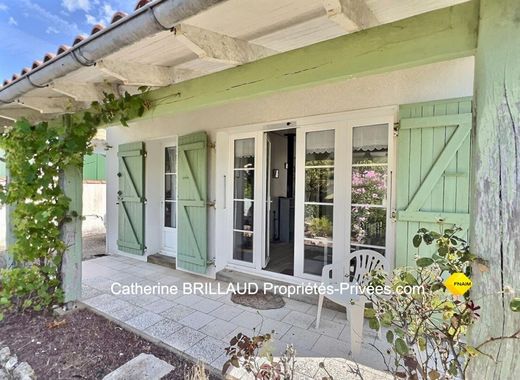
pixel 232 33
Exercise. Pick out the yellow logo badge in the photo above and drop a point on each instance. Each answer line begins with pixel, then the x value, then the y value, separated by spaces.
pixel 458 284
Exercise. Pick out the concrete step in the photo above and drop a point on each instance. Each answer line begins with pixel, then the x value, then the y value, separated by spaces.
pixel 143 367
pixel 163 260
pixel 232 276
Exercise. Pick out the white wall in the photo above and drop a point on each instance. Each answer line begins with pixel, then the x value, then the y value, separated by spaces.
pixel 443 80
pixel 94 208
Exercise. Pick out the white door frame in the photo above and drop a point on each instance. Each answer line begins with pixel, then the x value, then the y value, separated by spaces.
pixel 342 123
pixel 172 142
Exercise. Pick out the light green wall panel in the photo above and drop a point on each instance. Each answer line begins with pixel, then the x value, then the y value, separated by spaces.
pixel 94 167
pixel 433 171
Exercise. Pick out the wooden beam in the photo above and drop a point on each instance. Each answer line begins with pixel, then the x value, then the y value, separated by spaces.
pixel 495 231
pixel 49 105
pixel 430 37
pixel 215 47
pixel 83 91
pixel 32 115
pixel 137 74
pixel 351 15
pixel 72 184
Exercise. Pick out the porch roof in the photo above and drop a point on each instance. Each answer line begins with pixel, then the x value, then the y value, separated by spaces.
pixel 165 44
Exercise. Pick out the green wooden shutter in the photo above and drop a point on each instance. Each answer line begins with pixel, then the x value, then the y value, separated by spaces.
pixel 94 167
pixel 433 171
pixel 192 242
pixel 131 198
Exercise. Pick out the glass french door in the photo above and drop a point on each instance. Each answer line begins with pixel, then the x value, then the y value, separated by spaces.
pixel 169 201
pixel 343 194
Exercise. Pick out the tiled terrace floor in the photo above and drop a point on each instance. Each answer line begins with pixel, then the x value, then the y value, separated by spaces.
pixel 201 326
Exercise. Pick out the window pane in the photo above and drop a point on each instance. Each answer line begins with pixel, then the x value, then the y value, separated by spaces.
pixel 170 219
pixel 244 184
pixel 170 187
pixel 318 221
pixel 368 225
pixel 319 185
pixel 369 185
pixel 243 246
pixel 316 255
pixel 243 218
pixel 170 159
pixel 319 148
pixel 245 153
pixel 370 144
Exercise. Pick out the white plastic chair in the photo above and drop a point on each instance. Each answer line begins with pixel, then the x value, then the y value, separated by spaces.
pixel 357 265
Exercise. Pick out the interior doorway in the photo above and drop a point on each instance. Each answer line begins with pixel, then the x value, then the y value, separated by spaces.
pixel 280 156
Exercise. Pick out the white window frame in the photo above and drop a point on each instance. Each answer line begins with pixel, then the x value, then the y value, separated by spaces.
pixel 172 142
pixel 343 124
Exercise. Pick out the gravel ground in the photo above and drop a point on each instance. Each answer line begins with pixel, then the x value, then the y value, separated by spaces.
pixel 81 345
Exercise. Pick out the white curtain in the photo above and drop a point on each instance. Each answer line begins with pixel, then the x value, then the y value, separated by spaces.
pixel 245 148
pixel 372 137
pixel 320 142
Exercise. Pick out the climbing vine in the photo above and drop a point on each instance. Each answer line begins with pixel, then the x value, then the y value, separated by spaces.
pixel 36 156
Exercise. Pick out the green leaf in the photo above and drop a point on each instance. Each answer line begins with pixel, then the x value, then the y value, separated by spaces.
pixel 400 347
pixel 417 240
pixel 424 262
pixel 390 336
pixel 515 304
pixel 421 342
pixel 373 323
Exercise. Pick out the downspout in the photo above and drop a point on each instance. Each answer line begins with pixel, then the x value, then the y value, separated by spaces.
pixel 154 17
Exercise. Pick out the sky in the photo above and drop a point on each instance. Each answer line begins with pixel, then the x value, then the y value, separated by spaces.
pixel 31 28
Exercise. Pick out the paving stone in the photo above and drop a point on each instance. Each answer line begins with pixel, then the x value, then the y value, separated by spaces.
pixel 189 300
pixel 330 347
pixel 296 305
pixel 308 366
pixel 144 320
pixel 247 319
pixel 163 329
pixel 218 328
pixel 227 312
pixel 277 314
pixel 177 312
pixel 143 367
pixel 127 312
pixel 300 338
pixel 299 319
pixel 159 306
pixel 207 350
pixel 105 303
pixel 196 320
pixel 268 325
pixel 184 338
pixel 89 292
pixel 206 305
pixel 328 327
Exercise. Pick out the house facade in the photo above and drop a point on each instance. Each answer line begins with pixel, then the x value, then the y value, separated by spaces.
pixel 285 134
pixel 296 179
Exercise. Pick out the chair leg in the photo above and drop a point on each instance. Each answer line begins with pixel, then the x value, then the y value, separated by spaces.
pixel 320 306
pixel 355 315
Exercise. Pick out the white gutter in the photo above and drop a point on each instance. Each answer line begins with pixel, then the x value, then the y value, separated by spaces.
pixel 154 17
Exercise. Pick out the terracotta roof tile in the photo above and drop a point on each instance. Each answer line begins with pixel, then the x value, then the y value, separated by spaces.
pixel 78 39
pixel 47 57
pixel 62 49
pixel 25 70
pixel 36 64
pixel 141 3
pixel 97 28
pixel 118 16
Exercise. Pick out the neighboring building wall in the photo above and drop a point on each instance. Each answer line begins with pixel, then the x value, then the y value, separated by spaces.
pixel 430 82
pixel 94 194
